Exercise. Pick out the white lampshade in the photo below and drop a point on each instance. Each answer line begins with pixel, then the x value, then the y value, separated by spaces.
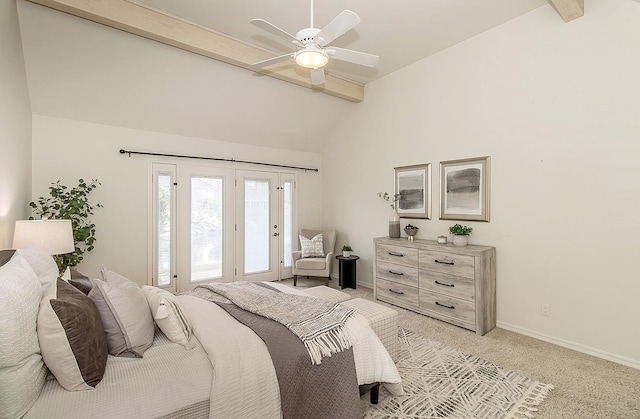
pixel 55 236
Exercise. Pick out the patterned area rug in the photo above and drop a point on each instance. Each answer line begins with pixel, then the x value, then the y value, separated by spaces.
pixel 442 382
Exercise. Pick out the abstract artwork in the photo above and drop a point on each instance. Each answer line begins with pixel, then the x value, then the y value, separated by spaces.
pixel 413 184
pixel 464 189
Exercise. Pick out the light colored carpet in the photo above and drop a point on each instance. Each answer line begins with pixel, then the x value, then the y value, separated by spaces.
pixel 440 381
pixel 585 386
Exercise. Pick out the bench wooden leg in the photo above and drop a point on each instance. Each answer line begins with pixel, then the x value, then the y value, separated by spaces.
pixel 374 391
pixel 374 394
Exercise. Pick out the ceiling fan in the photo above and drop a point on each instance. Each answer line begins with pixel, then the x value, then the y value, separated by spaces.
pixel 313 45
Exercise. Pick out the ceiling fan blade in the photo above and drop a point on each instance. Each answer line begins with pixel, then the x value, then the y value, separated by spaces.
pixel 356 57
pixel 342 23
pixel 273 60
pixel 272 29
pixel 317 76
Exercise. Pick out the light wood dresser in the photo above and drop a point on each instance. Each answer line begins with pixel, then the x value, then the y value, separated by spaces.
pixel 456 284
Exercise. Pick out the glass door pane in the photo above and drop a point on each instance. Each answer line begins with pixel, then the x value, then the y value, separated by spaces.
pixel 207 229
pixel 164 267
pixel 164 214
pixel 257 227
pixel 258 230
pixel 288 235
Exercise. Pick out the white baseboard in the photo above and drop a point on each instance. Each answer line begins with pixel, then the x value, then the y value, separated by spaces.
pixel 633 363
pixel 572 345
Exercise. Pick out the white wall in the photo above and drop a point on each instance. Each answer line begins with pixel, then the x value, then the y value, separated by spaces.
pixel 15 126
pixel 67 150
pixel 557 107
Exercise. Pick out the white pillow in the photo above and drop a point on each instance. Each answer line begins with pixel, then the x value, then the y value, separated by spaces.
pixel 312 248
pixel 22 371
pixel 42 264
pixel 168 314
pixel 125 314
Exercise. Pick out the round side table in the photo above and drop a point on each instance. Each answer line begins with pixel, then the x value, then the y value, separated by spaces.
pixel 347 270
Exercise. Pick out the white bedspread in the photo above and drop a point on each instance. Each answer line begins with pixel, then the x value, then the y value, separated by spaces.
pixel 244 380
pixel 245 383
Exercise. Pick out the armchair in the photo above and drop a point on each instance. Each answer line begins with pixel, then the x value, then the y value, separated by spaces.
pixel 320 267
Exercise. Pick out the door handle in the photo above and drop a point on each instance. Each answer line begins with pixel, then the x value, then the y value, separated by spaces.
pixel 275 234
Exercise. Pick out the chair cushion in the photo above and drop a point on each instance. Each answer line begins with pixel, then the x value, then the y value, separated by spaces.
pixel 312 248
pixel 311 263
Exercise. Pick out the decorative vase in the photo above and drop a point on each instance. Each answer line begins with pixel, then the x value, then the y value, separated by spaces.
pixel 346 253
pixel 460 240
pixel 394 225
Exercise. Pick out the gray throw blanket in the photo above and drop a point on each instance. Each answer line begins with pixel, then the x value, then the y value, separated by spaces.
pixel 320 325
pixel 328 390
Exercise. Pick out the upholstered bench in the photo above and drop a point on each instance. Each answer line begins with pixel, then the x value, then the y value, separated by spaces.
pixel 383 320
pixel 326 293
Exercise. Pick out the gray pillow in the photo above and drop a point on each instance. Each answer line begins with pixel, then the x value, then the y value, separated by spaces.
pixel 125 314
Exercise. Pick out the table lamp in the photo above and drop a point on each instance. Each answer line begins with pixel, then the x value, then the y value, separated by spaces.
pixel 55 236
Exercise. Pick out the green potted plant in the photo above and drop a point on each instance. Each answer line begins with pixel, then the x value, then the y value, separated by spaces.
pixel 460 234
pixel 346 251
pixel 73 204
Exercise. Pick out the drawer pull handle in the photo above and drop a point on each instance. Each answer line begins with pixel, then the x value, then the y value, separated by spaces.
pixel 396 273
pixel 396 292
pixel 396 254
pixel 446 285
pixel 445 306
pixel 444 262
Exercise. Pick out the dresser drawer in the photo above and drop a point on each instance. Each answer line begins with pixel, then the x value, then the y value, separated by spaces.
pixel 400 294
pixel 461 310
pixel 401 274
pixel 450 285
pixel 397 254
pixel 448 263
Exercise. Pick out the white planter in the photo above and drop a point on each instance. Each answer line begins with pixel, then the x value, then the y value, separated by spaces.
pixel 346 253
pixel 460 240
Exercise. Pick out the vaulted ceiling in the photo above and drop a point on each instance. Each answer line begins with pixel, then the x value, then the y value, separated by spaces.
pixel 78 69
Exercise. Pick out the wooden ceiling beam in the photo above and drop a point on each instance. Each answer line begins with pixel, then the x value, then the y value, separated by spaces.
pixel 568 9
pixel 151 24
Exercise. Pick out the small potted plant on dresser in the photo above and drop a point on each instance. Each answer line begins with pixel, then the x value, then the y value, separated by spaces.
pixel 460 234
pixel 346 251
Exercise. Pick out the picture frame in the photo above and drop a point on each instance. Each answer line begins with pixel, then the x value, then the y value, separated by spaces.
pixel 465 188
pixel 413 184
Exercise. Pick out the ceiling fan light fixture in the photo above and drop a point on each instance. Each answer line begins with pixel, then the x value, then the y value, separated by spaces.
pixel 311 58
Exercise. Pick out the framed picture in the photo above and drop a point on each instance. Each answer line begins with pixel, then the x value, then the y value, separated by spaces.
pixel 413 184
pixel 464 189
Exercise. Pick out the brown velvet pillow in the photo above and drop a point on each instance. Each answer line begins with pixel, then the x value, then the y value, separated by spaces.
pixel 75 274
pixel 72 338
pixel 83 284
pixel 5 255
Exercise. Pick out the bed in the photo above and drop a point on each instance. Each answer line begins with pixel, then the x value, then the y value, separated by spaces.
pixel 210 365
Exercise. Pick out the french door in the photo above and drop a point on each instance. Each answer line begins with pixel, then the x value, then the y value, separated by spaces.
pixel 214 224
pixel 205 226
pixel 265 228
pixel 258 226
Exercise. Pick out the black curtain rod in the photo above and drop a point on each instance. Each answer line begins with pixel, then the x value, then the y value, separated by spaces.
pixel 129 152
